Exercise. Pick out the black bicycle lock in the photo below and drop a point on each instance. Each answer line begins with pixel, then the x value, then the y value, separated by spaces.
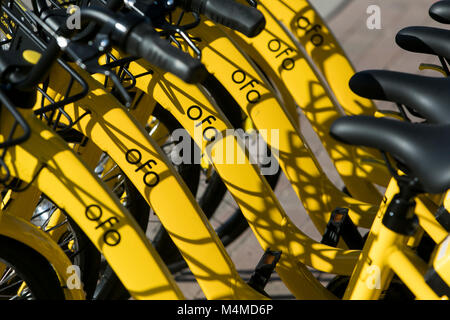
pixel 341 225
pixel 264 270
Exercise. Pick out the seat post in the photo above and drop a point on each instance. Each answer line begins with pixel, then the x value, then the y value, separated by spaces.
pixel 399 216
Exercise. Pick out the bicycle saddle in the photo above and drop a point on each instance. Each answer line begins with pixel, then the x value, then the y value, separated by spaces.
pixel 428 96
pixel 440 11
pixel 424 149
pixel 426 40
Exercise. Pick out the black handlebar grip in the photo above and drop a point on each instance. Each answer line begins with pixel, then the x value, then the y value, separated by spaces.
pixel 143 41
pixel 239 17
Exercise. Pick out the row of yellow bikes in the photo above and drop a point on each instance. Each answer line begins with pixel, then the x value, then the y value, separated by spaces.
pixel 126 125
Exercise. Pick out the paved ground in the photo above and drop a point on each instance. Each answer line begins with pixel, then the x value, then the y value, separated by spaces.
pixel 330 8
pixel 367 49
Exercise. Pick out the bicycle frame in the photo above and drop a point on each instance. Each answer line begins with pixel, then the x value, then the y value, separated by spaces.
pixel 321 116
pixel 424 208
pixel 46 161
pixel 318 46
pixel 268 114
pixel 259 205
pixel 384 254
pixel 297 248
pixel 213 43
pixel 112 129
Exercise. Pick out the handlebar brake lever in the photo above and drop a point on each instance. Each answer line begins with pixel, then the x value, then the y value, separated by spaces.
pixel 171 31
pixel 184 35
pixel 93 67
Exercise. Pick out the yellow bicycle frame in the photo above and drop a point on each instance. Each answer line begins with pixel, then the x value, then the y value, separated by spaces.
pixel 319 196
pixel 259 205
pixel 46 161
pixel 321 116
pixel 267 219
pixel 384 254
pixel 220 62
pixel 115 131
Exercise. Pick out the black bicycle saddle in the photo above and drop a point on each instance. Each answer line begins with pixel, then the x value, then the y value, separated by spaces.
pixel 440 11
pixel 428 96
pixel 423 148
pixel 426 40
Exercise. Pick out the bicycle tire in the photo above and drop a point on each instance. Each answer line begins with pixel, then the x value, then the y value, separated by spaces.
pixel 33 268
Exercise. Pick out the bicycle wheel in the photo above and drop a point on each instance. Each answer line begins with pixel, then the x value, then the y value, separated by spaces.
pixel 26 274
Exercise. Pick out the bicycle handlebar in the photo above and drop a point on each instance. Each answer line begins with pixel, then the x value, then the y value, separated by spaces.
pixel 229 13
pixel 136 36
pixel 145 42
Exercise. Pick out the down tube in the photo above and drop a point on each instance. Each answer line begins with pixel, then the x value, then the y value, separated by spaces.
pixel 330 59
pixel 60 174
pixel 116 132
